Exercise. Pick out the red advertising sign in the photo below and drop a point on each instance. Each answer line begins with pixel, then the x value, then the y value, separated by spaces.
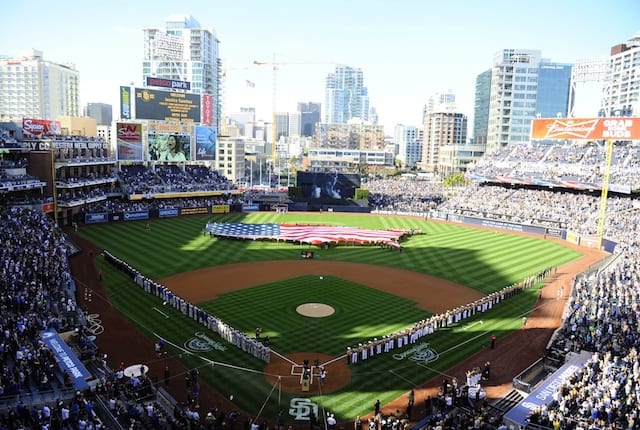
pixel 207 109
pixel 40 127
pixel 48 207
pixel 129 138
pixel 617 128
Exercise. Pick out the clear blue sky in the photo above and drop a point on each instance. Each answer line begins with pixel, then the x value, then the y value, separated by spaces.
pixel 406 49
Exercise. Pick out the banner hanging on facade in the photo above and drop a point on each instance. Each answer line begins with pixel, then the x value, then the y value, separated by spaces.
pixel 616 128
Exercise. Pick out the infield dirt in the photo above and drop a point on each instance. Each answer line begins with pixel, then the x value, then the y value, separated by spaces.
pixel 124 343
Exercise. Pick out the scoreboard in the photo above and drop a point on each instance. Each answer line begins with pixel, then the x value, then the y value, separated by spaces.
pixel 166 105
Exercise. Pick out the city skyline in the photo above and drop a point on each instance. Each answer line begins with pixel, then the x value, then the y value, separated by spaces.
pixel 406 52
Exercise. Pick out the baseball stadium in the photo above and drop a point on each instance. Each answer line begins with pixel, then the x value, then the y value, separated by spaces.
pixel 484 305
pixel 148 284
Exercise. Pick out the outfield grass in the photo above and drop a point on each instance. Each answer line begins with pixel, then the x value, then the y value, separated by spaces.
pixel 482 259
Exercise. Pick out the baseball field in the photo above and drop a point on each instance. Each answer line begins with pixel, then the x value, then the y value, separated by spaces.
pixel 359 292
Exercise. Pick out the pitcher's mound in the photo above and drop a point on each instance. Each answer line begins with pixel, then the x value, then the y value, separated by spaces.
pixel 315 310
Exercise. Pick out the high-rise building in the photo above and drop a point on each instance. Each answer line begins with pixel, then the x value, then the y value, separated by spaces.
pixel 588 81
pixel 409 144
pixel 101 112
pixel 622 92
pixel 346 97
pixel 309 117
pixel 481 107
pixel 443 126
pixel 282 125
pixel 440 129
pixel 294 124
pixel 185 51
pixel 440 101
pixel 554 85
pixel 31 87
pixel 523 86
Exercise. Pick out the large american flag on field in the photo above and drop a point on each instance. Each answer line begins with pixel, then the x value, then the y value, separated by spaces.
pixel 303 233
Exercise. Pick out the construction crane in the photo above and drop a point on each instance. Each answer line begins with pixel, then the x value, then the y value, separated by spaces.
pixel 274 89
pixel 224 131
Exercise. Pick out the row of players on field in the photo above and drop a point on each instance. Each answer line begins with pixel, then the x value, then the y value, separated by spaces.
pixel 428 326
pixel 256 347
pixel 248 344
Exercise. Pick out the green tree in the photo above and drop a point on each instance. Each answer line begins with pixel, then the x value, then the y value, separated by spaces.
pixel 456 180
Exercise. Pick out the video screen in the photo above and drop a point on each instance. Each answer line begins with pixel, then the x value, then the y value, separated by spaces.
pixel 328 185
pixel 169 147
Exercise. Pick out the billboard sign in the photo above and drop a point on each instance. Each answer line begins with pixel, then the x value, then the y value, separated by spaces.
pixel 129 141
pixel 618 128
pixel 125 102
pixel 168 83
pixel 206 138
pixel 40 127
pixel 167 106
pixel 207 109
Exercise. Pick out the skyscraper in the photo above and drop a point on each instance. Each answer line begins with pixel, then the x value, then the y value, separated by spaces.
pixel 345 96
pixel 101 112
pixel 588 80
pixel 554 84
pixel 622 92
pixel 481 107
pixel 523 85
pixel 407 139
pixel 309 117
pixel 32 87
pixel 443 126
pixel 184 51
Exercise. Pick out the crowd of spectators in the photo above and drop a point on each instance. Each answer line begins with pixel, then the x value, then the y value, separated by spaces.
pixel 601 316
pixel 139 179
pixel 560 162
pixel 36 293
pixel 75 197
pixel 6 140
pixel 405 195
pixel 603 311
pixel 119 205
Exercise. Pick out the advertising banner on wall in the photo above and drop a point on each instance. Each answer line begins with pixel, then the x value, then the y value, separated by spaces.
pixel 207 109
pixel 168 83
pixel 129 141
pixel 618 128
pixel 125 102
pixel 206 138
pixel 41 127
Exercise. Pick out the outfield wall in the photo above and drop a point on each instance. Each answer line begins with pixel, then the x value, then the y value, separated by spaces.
pixel 570 236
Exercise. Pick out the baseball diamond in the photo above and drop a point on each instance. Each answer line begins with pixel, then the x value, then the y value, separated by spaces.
pixel 222 289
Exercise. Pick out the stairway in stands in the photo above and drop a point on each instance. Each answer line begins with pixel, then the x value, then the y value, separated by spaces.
pixel 507 402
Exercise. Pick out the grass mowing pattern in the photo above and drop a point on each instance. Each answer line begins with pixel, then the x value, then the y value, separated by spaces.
pixel 482 259
pixel 291 332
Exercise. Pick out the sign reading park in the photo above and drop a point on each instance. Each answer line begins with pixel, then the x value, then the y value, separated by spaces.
pixel 167 105
pixel 616 128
